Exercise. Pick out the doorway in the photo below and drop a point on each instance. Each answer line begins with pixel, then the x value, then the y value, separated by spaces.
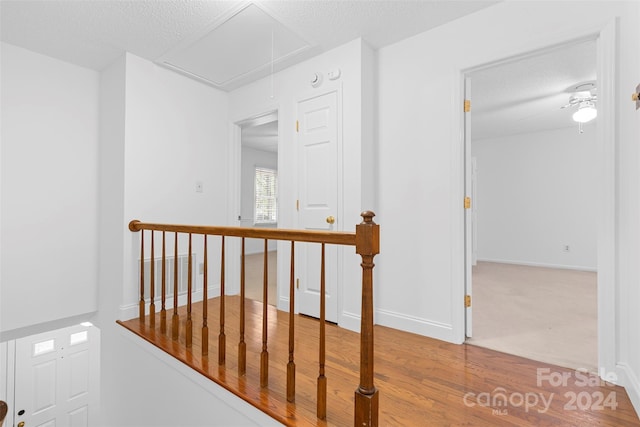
pixel 536 220
pixel 259 201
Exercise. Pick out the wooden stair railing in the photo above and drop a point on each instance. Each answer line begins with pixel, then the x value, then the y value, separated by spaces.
pixel 366 241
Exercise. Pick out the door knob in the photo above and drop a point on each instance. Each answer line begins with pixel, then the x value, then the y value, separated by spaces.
pixel 330 219
pixel 21 424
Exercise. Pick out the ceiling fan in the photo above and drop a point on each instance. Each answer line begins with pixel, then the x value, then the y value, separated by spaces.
pixel 584 97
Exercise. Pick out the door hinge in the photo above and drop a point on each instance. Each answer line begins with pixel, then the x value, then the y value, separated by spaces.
pixel 297 283
pixel 467 105
pixel 467 301
pixel 297 126
pixel 467 202
pixel 298 204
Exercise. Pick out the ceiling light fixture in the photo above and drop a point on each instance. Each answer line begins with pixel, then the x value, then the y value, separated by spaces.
pixel 584 97
pixel 586 112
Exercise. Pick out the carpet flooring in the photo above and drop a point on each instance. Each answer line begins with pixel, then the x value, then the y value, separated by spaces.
pixel 543 314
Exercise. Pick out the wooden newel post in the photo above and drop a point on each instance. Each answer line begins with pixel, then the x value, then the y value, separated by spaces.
pixel 133 227
pixel 366 395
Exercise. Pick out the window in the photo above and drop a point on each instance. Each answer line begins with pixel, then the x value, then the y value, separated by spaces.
pixel 266 194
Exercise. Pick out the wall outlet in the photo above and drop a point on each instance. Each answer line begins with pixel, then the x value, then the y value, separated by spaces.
pixel 199 187
pixel 566 248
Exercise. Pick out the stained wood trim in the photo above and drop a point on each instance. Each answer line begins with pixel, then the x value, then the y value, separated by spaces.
pixel 329 237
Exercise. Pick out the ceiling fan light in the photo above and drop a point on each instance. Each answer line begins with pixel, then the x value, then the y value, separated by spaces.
pixel 586 112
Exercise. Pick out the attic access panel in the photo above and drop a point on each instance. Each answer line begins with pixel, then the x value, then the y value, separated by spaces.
pixel 239 46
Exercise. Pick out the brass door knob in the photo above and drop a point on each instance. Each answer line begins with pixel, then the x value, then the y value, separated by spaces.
pixel 330 219
pixel 21 424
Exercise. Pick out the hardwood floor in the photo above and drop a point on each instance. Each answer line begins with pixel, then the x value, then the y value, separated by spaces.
pixel 421 381
pixel 255 276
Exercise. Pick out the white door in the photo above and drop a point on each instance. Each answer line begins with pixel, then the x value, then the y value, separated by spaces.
pixel 318 201
pixel 468 216
pixel 56 378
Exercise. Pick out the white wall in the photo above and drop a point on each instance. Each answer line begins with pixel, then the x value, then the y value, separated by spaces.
pixel 356 62
pixel 49 189
pixel 154 390
pixel 421 281
pixel 536 193
pixel 252 158
pixel 175 136
pixel 160 134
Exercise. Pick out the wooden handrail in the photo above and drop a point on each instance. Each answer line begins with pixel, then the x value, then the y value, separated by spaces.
pixel 366 240
pixel 328 237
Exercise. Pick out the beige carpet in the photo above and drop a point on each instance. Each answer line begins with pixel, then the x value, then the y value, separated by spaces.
pixel 254 276
pixel 543 314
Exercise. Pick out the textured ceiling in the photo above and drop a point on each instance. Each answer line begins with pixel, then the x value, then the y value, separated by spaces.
pixel 514 97
pixel 93 33
pixel 526 95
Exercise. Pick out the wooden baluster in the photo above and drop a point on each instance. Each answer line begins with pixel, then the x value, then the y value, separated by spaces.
pixel 189 324
pixel 291 366
pixel 222 343
pixel 141 304
pixel 322 380
pixel 205 302
pixel 242 346
pixel 163 310
pixel 366 395
pixel 152 284
pixel 264 355
pixel 175 319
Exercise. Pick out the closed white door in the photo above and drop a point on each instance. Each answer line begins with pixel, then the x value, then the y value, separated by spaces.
pixel 56 378
pixel 318 200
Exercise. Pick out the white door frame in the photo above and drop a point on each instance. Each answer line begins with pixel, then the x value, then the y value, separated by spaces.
pixel 606 42
pixel 234 151
pixel 468 224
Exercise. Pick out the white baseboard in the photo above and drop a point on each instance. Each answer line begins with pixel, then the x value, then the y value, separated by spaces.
pixel 283 303
pixel 539 264
pixel 416 325
pixel 350 321
pixel 130 311
pixel 629 380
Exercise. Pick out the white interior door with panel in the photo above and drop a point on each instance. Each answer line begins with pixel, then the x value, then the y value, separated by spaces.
pixel 318 200
pixel 57 378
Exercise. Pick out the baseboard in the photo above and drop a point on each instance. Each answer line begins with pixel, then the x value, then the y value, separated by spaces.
pixel 416 325
pixel 283 303
pixel 260 251
pixel 540 264
pixel 631 384
pixel 350 321
pixel 130 311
